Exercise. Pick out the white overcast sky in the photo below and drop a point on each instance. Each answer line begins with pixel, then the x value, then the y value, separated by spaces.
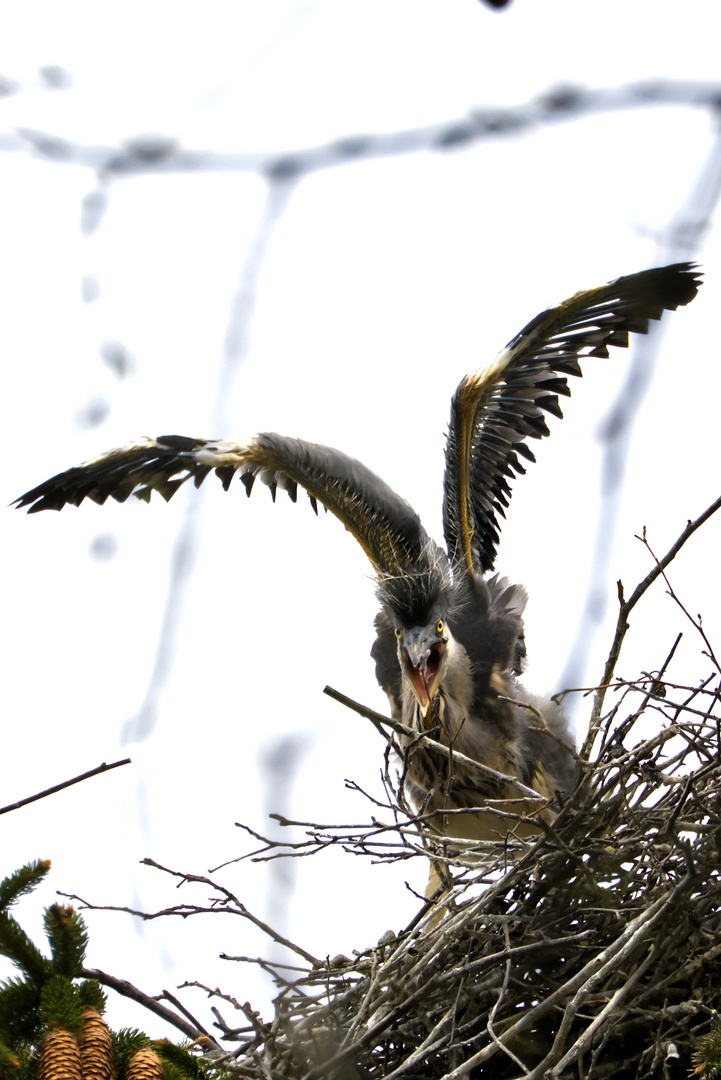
pixel 385 281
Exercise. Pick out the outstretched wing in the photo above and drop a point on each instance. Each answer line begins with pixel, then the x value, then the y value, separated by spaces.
pixel 496 409
pixel 386 527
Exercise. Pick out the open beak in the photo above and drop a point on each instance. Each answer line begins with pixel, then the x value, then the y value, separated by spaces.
pixel 421 654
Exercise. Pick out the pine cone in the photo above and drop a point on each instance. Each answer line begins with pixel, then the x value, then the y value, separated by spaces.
pixel 96 1051
pixel 59 1057
pixel 145 1065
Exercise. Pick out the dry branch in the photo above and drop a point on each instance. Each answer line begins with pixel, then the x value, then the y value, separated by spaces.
pixel 64 784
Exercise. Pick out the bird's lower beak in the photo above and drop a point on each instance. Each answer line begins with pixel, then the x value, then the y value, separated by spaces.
pixel 423 663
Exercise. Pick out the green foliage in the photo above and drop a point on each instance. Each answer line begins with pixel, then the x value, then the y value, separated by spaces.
pixel 707 1055
pixel 68 939
pixel 45 996
pixel 180 1063
pixel 60 1005
pixel 49 995
pixel 8 1059
pixel 15 1064
pixel 171 1070
pixel 19 1015
pixel 17 946
pixel 22 881
pixel 127 1042
pixel 91 993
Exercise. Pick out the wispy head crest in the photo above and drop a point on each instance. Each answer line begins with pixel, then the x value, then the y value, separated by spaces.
pixel 414 596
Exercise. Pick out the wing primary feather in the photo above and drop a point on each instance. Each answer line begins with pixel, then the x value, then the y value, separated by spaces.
pixel 493 413
pixel 225 474
pixel 550 404
pixel 200 475
pixel 496 409
pixel 385 526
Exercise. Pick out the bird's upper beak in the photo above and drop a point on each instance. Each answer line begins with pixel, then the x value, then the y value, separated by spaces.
pixel 421 654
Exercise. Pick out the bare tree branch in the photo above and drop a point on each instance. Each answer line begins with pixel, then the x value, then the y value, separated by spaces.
pixel 65 784
pixel 161 154
pixel 126 989
pixel 226 903
pixel 625 609
pixel 697 623
pixel 431 744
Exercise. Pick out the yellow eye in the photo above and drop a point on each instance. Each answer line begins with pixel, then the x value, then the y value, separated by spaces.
pixel 440 626
pixel 398 633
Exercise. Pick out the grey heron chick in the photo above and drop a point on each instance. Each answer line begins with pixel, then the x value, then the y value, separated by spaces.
pixel 449 640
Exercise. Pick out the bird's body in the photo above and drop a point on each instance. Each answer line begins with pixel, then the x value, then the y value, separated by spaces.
pixel 480 711
pixel 449 645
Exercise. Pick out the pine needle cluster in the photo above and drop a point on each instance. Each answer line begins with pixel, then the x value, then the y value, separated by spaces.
pixel 51 1018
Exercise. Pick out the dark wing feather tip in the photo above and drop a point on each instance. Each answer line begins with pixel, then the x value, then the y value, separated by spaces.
pixel 225 474
pixel 179 442
pixel 502 414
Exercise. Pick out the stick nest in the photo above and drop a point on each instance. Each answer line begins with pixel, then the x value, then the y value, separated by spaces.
pixel 593 950
pixel 598 942
pixel 590 950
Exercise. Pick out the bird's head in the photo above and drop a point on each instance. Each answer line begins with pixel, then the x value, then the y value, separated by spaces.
pixel 416 606
pixel 423 653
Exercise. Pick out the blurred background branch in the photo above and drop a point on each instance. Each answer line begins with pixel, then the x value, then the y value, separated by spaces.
pixel 158 153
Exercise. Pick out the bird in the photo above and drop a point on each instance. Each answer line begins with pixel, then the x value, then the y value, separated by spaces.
pixel 481 756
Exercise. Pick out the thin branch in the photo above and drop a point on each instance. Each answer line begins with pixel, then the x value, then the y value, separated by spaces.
pixel 126 989
pixel 431 744
pixel 185 910
pixel 696 623
pixel 165 995
pixel 625 609
pixel 65 784
pixel 240 909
